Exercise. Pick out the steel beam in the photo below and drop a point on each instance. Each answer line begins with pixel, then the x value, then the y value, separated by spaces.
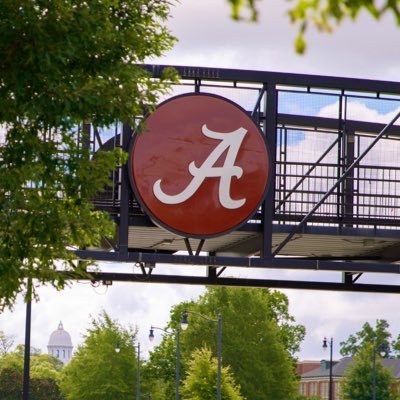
pixel 250 262
pixel 247 282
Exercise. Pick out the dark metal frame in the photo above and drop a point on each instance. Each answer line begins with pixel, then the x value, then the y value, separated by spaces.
pixel 348 173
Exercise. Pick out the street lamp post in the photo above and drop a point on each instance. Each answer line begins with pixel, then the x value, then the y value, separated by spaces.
pixel 325 346
pixel 27 350
pixel 138 373
pixel 118 349
pixel 177 363
pixel 374 375
pixel 184 326
pixel 382 353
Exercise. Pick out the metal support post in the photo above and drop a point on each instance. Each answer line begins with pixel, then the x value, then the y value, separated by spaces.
pixel 138 373
pixel 27 350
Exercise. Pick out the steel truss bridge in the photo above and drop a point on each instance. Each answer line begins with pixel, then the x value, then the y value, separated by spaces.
pixel 333 203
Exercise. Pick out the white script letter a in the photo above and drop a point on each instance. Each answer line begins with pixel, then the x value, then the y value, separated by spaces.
pixel 231 142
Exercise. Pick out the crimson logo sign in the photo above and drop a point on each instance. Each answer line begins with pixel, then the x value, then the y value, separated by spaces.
pixel 200 167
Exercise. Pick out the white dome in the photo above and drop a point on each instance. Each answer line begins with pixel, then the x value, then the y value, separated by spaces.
pixel 60 338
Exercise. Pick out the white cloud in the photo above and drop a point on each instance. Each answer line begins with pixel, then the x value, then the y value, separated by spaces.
pixel 358 111
pixel 314 144
pixel 339 315
pixel 207 37
pixel 135 304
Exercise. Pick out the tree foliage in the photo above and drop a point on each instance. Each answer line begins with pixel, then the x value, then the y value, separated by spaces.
pixel 161 367
pixel 238 6
pixel 97 371
pixel 62 63
pixel 258 336
pixel 357 384
pixel 363 346
pixel 379 337
pixel 201 380
pixel 151 387
pixel 323 15
pixel 44 373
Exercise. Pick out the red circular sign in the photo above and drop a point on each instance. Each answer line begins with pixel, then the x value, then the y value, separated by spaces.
pixel 200 167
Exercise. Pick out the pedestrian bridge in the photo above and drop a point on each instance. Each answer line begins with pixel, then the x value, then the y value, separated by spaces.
pixel 333 202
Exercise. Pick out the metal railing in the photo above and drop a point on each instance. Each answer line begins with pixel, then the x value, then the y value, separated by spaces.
pixel 322 126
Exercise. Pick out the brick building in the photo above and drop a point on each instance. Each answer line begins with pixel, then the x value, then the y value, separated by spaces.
pixel 315 381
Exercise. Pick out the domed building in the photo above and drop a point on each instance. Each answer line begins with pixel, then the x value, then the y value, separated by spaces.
pixel 60 344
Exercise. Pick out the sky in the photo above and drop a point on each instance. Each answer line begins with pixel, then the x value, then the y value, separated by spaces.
pixel 209 38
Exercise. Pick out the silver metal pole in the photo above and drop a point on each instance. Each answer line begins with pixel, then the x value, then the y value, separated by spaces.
pixel 374 375
pixel 219 321
pixel 219 355
pixel 330 372
pixel 27 350
pixel 138 373
pixel 177 358
pixel 177 364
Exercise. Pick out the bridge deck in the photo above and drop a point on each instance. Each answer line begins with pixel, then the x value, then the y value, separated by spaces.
pixel 313 242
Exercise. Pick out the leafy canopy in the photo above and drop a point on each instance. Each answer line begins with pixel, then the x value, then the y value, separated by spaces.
pixel 357 384
pixel 364 346
pixel 322 14
pixel 258 337
pixel 97 371
pixel 379 337
pixel 44 372
pixel 201 380
pixel 63 63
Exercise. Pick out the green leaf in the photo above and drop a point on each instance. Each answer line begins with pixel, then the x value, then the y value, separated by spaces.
pixel 300 44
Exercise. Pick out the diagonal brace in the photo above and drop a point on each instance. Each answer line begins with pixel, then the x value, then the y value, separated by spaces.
pixel 189 247
pixel 307 174
pixel 258 102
